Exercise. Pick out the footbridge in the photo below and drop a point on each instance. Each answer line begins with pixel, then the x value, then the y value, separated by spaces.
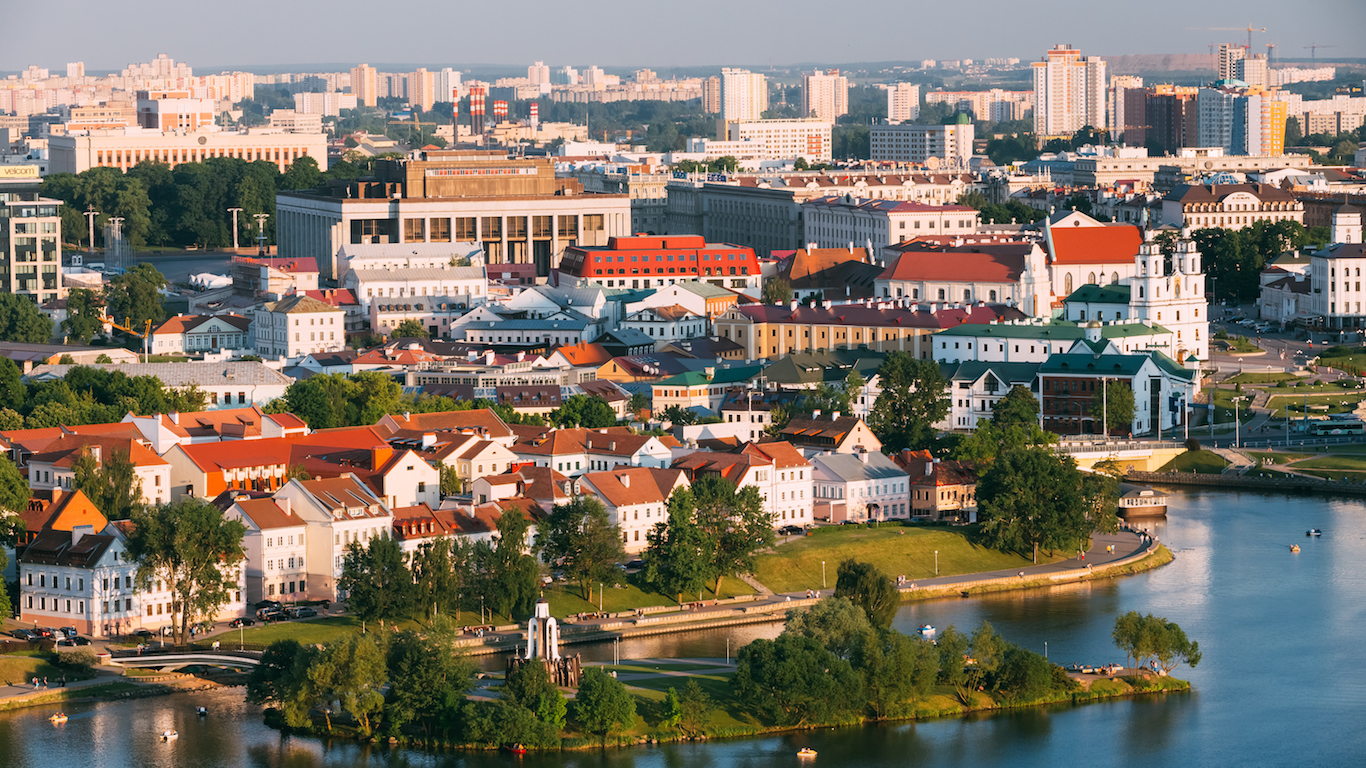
pixel 175 657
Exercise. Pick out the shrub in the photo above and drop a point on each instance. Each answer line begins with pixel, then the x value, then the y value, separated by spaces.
pixel 81 661
pixel 1192 444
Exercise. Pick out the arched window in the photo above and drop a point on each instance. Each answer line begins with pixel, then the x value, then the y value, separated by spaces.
pixel 1140 291
pixel 1091 279
pixel 967 296
pixel 1114 278
pixel 1067 284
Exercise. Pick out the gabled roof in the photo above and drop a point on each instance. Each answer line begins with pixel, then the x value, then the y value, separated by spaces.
pixel 236 454
pixel 1110 244
pixel 189 323
pixel 783 455
pixel 268 513
pixel 820 432
pixel 851 467
pixel 628 486
pixel 65 450
pixel 1003 263
pixel 37 440
pixel 228 422
pixel 56 548
pixel 731 466
pixel 71 509
pixel 1101 294
pixel 612 441
pixel 298 303
pixel 476 418
pixel 704 347
pixel 335 297
pixel 1213 193
pixel 940 472
pixel 344 495
pixel 585 354
pixel 738 374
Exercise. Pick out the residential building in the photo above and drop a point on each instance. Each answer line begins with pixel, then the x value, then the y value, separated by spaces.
pixel 190 334
pixel 1229 56
pixel 482 422
pixel 292 121
pixel 206 470
pixel 670 260
pixel 30 240
pixel 702 390
pixel 1242 121
pixel 696 296
pixel 833 222
pixel 1031 341
pixel 421 91
pixel 276 548
pixel 123 148
pixel 328 104
pixel 355 318
pixel 538 336
pixel 903 102
pixel 941 490
pixel 1071 382
pixel 1335 299
pixel 787 490
pixel 994 104
pixel 783 138
pixel 163 430
pixel 825 95
pixel 744 95
pixel 833 433
pixel 976 387
pixel 267 278
pixel 938 270
pixel 822 272
pixel 860 487
pixel 54 466
pixel 365 85
pixel 279 327
pixel 336 511
pixel 636 498
pixel 541 485
pixel 666 324
pixel 573 452
pixel 434 297
pixel 1230 206
pixel 226 384
pixel 949 145
pixel 1069 93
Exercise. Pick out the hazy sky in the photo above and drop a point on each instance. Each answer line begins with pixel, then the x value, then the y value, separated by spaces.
pixel 108 34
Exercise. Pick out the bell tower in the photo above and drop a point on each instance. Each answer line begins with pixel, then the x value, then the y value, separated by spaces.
pixel 1174 301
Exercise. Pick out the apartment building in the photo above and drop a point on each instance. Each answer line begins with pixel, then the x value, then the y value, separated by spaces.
pixel 949 145
pixel 276 549
pixel 1069 93
pixel 903 102
pixel 744 95
pixel 337 512
pixel 30 238
pixel 825 95
pixel 636 498
pixel 834 222
pixel 644 262
pixel 861 487
pixel 280 327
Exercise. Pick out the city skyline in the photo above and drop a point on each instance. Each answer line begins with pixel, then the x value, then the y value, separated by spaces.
pixel 143 28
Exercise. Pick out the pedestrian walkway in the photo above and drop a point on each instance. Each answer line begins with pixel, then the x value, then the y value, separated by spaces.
pixel 1237 461
pixel 26 691
pixel 755 585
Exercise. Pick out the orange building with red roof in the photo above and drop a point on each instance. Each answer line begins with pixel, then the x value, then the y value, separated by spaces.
pixel 54 466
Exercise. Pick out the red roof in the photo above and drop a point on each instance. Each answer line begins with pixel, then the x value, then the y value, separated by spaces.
pixel 214 457
pixel 337 297
pixel 1002 263
pixel 1113 244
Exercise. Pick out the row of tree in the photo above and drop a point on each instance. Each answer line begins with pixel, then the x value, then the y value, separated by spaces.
pixel 86 395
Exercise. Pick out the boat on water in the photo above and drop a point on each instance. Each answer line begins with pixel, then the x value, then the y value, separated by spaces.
pixel 1294 547
pixel 201 711
pixel 806 752
pixel 168 735
pixel 517 749
pixel 926 631
pixel 58 718
pixel 1143 502
pixel 1313 532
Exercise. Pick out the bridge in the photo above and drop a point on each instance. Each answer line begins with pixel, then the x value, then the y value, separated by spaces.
pixel 174 657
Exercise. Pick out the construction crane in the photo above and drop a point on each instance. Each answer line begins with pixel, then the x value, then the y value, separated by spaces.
pixel 1249 29
pixel 127 327
pixel 1313 49
pixel 410 123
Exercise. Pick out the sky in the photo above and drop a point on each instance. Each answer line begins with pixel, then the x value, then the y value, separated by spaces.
pixel 292 34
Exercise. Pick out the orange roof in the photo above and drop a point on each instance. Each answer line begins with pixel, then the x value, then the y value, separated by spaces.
pixel 215 457
pixel 64 450
pixel 627 486
pixel 267 513
pixel 475 418
pixel 1111 244
pixel 231 422
pixel 782 454
pixel 585 354
pixel 339 494
pixel 69 511
pixel 35 440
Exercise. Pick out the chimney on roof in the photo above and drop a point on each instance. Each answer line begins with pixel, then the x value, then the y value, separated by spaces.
pixel 816 414
pixel 625 480
pixel 380 454
pixel 428 440
pixel 863 456
pixel 929 468
pixel 56 495
pixel 284 504
pixel 79 532
pixel 834 415
pixel 174 417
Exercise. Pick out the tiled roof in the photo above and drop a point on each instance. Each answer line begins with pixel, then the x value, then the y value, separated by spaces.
pixel 1111 244
pixel 616 441
pixel 335 297
pixel 585 354
pixel 704 347
pixel 298 303
pixel 234 454
pixel 627 486
pixel 55 548
pixel 783 455
pixel 475 418
pixel 878 314
pixel 71 509
pixel 1213 193
pixel 229 422
pixel 1003 263
pixel 36 440
pixel 340 494
pixel 205 375
pixel 731 466
pixel 267 513
pixel 64 451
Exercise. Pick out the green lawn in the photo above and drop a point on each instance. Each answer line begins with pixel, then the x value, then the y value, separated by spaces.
pixel 1278 458
pixel 566 599
pixel 1333 462
pixel 1237 344
pixel 315 631
pixel 1341 401
pixel 893 548
pixel 1261 378
pixel 1203 461
pixel 21 669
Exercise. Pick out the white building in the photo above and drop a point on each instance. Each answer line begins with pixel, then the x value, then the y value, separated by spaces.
pixel 124 148
pixel 226 384
pixel 744 95
pixel 1069 93
pixel 336 511
pixel 870 485
pixel 782 139
pixel 636 499
pixel 1032 341
pixel 825 95
pixel 53 467
pixel 909 143
pixel 276 549
pixel 326 104
pixel 835 222
pixel 903 102
pixel 666 324
pixel 185 334
pixel 297 326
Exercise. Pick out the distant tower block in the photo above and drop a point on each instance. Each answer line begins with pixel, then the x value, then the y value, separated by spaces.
pixel 543 647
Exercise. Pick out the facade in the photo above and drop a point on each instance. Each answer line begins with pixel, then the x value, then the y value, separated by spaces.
pixel 186 334
pixel 226 384
pixel 30 240
pixel 831 433
pixel 744 95
pixel 671 259
pixel 1069 93
pixel 574 452
pixel 365 84
pixel 951 145
pixel 903 102
pixel 868 485
pixel 781 475
pixel 124 148
pixel 666 324
pixel 276 549
pixel 1071 382
pixel 975 388
pixel 163 430
pixel 1335 295
pixel 825 95
pixel 336 511
pixel 775 139
pixel 1013 273
pixel 1230 206
pixel 1032 341
pixel 833 222
pixel 280 326
pixel 636 499
pixel 705 389
pixel 53 467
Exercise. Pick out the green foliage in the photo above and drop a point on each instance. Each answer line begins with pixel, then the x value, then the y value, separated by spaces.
pixel 333 400
pixel 734 526
pixel 14 492
pixel 835 622
pixel 107 190
pixel 1148 639
pixel 351 671
pixel 677 558
pixel 410 329
pixel 989 651
pixel 679 416
pixel 135 296
pixel 914 397
pixel 1235 257
pixel 953 649
pixel 870 589
pixel 602 704
pixel 895 669
pixel 503 573
pixel 21 321
pixel 270 678
pixel 427 681
pixel 587 411
pixel 1031 498
pixel 580 539
pixel 639 402
pixel 439 568
pixel 376 580
pixel 1002 213
pixel 793 680
pixel 1023 674
pixel 1113 407
pixel 529 686
pixel 13 393
pixel 688 712
pixel 84 309
pixel 1013 149
pixel 110 482
pixel 194 550
pixel 777 291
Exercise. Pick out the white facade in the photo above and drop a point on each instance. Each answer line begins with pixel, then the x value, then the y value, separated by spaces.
pixel 1069 93
pixel 825 95
pixel 908 143
pixel 151 478
pixel 837 222
pixel 1175 301
pixel 871 486
pixel 744 95
pixel 179 336
pixel 325 104
pixel 782 139
pixel 276 549
pixel 903 101
pixel 298 326
pixel 667 324
pixel 332 523
pixel 124 148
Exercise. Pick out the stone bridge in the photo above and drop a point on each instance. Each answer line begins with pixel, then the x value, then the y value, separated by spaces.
pixel 172 658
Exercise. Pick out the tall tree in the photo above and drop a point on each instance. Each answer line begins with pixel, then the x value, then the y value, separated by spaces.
pixel 1033 497
pixel 268 681
pixel 914 397
pixel 13 393
pixel 508 577
pixel 953 652
pixel 734 525
pixel 135 296
pixel 194 550
pixel 870 589
pixel 439 569
pixel 14 494
pixel 580 539
pixel 350 670
pixel 989 651
pixel 410 329
pixel 83 311
pixel 602 704
pixel 110 482
pixel 427 680
pixel 777 291
pixel 895 669
pixel 529 686
pixel 376 580
pixel 1113 407
pixel 793 680
pixel 676 560
pixel 835 622
pixel 588 411
pixel 20 320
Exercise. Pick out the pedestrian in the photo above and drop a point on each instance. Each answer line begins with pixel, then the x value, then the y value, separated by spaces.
pixel 44 682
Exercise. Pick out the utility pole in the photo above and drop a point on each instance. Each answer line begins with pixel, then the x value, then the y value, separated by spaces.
pixel 261 232
pixel 234 212
pixel 90 213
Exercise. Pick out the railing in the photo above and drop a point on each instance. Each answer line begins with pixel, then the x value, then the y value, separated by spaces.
pixel 1108 446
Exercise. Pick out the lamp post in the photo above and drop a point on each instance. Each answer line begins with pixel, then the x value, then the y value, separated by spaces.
pixel 936 562
pixel 234 212
pixel 261 232
pixel 90 213
pixel 1237 423
pixel 822 574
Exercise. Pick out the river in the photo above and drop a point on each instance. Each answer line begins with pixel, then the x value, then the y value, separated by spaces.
pixel 1280 683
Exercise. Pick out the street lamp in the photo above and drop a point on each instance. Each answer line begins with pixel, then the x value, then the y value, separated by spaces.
pixel 90 213
pixel 234 212
pixel 822 574
pixel 1237 423
pixel 936 562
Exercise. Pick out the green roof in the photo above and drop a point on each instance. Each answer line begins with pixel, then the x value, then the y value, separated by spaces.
pixel 1059 330
pixel 1011 373
pixel 824 366
pixel 1112 365
pixel 1100 294
pixel 734 375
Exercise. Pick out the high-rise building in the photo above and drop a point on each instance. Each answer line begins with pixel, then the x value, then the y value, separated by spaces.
pixel 825 95
pixel 1173 118
pixel 447 82
pixel 1253 71
pixel 421 89
pixel 903 102
pixel 711 95
pixel 75 69
pixel 744 95
pixel 365 84
pixel 1244 121
pixel 538 73
pixel 1121 117
pixel 1069 93
pixel 30 238
pixel 1229 56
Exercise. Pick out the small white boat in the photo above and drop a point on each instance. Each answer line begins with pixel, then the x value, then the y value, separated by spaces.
pixel 926 631
pixel 1313 532
pixel 168 735
pixel 807 752
pixel 201 711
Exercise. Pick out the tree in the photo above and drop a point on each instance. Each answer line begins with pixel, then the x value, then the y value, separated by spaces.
pixel 427 681
pixel 110 482
pixel 303 173
pixel 13 393
pixel 1033 497
pixel 1018 408
pixel 793 680
pixel 689 712
pixel 506 576
pixel 914 397
pixel 835 622
pixel 639 402
pixel 84 309
pixel 895 669
pixel 603 704
pixel 1023 674
pixel 1148 639
pixel 676 559
pixel 989 651
pixel 135 296
pixel 410 329
pixel 439 569
pixel 870 589
pixel 10 420
pixel 21 321
pixel 14 495
pixel 734 526
pixel 679 416
pixel 953 652
pixel 376 580
pixel 269 679
pixel 581 540
pixel 1113 407
pixel 529 686
pixel 194 550
pixel 350 670
pixel 587 411
pixel 776 291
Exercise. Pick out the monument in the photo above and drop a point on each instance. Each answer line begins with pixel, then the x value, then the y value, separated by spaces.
pixel 543 647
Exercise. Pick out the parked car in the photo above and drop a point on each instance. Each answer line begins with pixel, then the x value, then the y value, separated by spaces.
pixel 241 622
pixel 69 631
pixel 25 634
pixel 791 530
pixel 301 612
pixel 73 641
pixel 145 634
pixel 268 615
pixel 266 604
pixel 45 632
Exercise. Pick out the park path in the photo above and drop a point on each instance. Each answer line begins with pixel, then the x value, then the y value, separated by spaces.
pixel 1237 460
pixel 755 584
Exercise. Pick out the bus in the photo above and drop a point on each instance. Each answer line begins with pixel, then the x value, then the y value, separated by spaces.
pixel 1335 428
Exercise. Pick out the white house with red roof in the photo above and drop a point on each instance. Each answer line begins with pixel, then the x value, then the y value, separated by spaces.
pixel 993 269
pixel 1083 251
pixel 654 262
pixel 54 466
pixel 482 421
pixel 576 451
pixel 191 334
pixel 337 511
pixel 163 430
pixel 778 475
pixel 276 549
pixel 636 499
pixel 835 222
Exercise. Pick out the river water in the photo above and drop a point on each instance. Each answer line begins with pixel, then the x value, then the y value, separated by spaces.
pixel 1280 683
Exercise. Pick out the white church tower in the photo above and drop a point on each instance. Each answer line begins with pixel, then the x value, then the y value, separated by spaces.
pixel 1346 225
pixel 1174 301
pixel 543 635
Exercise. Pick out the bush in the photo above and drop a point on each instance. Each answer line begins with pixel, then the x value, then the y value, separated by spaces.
pixel 1192 444
pixel 81 661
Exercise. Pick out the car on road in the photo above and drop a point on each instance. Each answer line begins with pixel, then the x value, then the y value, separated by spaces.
pixel 73 641
pixel 145 634
pixel 301 612
pixel 69 631
pixel 26 634
pixel 791 530
pixel 241 621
